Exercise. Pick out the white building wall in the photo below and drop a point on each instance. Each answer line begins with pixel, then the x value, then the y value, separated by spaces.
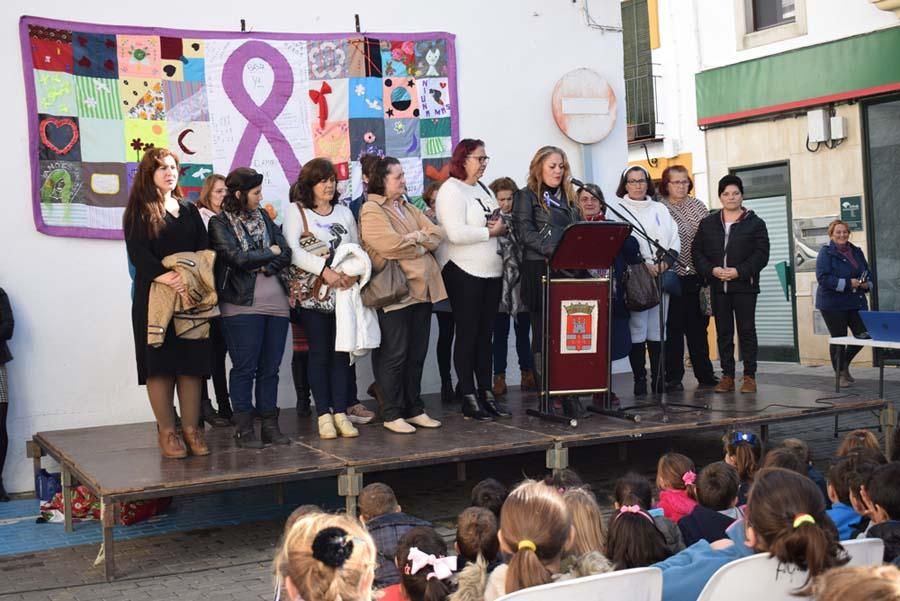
pixel 74 357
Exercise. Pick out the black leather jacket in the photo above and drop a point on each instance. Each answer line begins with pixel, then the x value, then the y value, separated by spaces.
pixel 6 329
pixel 235 268
pixel 748 251
pixel 538 230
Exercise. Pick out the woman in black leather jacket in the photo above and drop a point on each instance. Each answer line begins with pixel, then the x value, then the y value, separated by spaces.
pixel 541 212
pixel 250 251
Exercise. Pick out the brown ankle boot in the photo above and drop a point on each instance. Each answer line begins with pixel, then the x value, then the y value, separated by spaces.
pixel 528 382
pixel 170 445
pixel 195 441
pixel 726 384
pixel 499 388
pixel 748 385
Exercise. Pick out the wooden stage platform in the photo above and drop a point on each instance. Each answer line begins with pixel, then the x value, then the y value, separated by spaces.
pixel 122 463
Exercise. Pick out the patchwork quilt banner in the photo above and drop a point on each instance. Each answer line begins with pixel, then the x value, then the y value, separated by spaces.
pixel 100 95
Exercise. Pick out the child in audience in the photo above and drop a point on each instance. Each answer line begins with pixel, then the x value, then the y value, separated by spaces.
pixel 842 513
pixel 675 478
pixel 535 531
pixel 857 439
pixel 867 461
pixel 881 496
pixel 633 540
pixel 785 518
pixel 871 583
pixel 386 522
pixel 326 557
pixel 716 510
pixel 743 450
pixel 802 449
pixel 564 479
pixel 784 458
pixel 479 552
pixel 587 522
pixel 634 489
pixel 426 570
pixel 490 494
pixel 298 513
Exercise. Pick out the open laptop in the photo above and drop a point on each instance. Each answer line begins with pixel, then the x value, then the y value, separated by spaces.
pixel 882 325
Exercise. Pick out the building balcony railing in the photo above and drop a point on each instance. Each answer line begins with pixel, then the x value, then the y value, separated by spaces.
pixel 641 106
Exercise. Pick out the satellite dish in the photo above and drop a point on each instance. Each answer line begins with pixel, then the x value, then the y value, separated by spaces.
pixel 584 106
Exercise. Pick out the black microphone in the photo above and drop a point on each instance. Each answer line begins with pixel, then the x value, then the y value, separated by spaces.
pixel 577 183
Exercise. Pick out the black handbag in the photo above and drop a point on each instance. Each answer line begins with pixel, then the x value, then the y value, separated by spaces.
pixel 640 288
pixel 671 283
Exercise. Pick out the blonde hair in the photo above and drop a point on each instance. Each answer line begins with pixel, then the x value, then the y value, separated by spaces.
pixel 536 180
pixel 534 526
pixel 833 225
pixel 316 581
pixel 857 439
pixel 586 521
pixel 870 583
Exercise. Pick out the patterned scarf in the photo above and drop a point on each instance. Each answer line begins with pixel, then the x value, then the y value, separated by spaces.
pixel 250 229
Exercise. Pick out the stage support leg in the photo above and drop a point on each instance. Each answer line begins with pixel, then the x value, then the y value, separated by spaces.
pixel 67 497
pixel 279 493
pixel 349 485
pixel 461 471
pixel 557 458
pixel 623 451
pixel 108 519
pixel 888 424
pixel 34 451
pixel 764 434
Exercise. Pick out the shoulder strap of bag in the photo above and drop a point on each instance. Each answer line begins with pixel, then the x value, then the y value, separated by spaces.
pixel 305 233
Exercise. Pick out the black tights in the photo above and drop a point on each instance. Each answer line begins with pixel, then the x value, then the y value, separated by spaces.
pixel 4 437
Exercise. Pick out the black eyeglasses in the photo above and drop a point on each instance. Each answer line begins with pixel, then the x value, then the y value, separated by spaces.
pixel 481 160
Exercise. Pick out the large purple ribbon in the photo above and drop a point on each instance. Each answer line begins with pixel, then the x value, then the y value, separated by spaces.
pixel 261 117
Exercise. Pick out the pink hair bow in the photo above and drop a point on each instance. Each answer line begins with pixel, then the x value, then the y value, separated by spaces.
pixel 689 478
pixel 634 509
pixel 443 567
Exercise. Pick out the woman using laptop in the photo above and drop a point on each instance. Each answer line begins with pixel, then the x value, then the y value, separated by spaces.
pixel 843 276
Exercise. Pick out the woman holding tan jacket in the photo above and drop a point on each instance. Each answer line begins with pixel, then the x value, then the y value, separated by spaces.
pixel 393 229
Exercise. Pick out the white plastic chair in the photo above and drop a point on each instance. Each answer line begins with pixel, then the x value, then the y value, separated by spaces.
pixel 762 577
pixel 637 584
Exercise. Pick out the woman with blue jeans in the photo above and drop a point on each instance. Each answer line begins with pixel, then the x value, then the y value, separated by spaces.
pixel 250 252
pixel 843 276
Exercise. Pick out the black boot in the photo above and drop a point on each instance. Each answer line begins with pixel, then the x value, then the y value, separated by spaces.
pixel 244 434
pixel 271 433
pixel 301 382
pixel 472 409
pixel 639 369
pixel 447 393
pixel 492 405
pixel 225 408
pixel 210 416
pixel 657 383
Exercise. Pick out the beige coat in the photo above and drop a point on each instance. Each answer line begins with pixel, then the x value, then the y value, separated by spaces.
pixel 191 314
pixel 382 231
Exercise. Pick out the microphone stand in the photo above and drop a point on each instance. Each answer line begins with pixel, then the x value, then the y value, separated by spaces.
pixel 662 254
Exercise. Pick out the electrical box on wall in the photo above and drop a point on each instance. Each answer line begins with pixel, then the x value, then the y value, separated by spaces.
pixel 838 128
pixel 818 125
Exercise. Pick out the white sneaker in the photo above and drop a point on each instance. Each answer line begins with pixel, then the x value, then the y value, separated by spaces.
pixel 423 421
pixel 399 426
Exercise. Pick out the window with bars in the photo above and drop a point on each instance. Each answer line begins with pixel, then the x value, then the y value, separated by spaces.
pixel 640 85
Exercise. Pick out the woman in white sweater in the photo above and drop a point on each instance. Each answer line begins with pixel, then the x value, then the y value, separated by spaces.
pixel 472 270
pixel 314 197
pixel 635 204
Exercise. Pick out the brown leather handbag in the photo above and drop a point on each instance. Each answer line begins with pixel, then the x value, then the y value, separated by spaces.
pixel 387 287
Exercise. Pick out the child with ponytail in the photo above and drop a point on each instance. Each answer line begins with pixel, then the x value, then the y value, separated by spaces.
pixel 426 571
pixel 675 478
pixel 743 451
pixel 633 539
pixel 785 518
pixel 325 557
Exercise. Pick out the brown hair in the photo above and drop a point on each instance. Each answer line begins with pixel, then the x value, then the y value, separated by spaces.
pixel 145 214
pixel 634 541
pixel 206 192
pixel 621 191
pixel 518 526
pixel 667 178
pixel 430 193
pixel 834 224
pixel 367 163
pixel 503 183
pixel 317 581
pixel 313 172
pixel 870 583
pixel 421 586
pixel 798 446
pixel 376 499
pixel 633 489
pixel 746 453
pixel 670 471
pixel 856 439
pixel 777 499
pixel 535 177
pixel 787 458
pixel 379 173
pixel 717 486
pixel 587 521
pixel 490 494
pixel 476 532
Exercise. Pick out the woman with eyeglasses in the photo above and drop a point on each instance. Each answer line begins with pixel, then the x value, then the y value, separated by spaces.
pixel 636 205
pixel 686 319
pixel 472 270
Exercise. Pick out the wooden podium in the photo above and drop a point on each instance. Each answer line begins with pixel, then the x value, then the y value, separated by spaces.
pixel 577 317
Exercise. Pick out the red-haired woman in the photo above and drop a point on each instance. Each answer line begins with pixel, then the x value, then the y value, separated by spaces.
pixel 158 222
pixel 472 270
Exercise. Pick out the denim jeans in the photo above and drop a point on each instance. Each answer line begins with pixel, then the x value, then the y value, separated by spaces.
pixel 328 371
pixel 255 345
pixel 523 341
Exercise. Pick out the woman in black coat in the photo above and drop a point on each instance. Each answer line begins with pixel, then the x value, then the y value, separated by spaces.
pixel 250 252
pixel 730 250
pixel 6 332
pixel 158 222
